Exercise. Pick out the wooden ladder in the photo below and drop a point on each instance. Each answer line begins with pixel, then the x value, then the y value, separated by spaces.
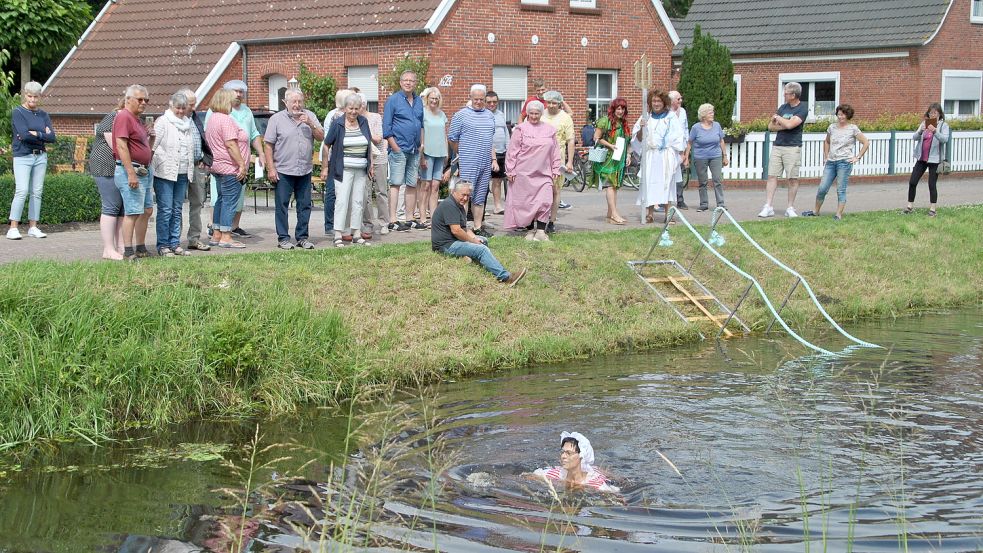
pixel 689 298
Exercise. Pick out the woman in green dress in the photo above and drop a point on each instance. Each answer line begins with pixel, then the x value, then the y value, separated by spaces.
pixel 613 133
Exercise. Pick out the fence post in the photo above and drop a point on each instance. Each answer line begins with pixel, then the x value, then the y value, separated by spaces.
pixel 891 155
pixel 765 152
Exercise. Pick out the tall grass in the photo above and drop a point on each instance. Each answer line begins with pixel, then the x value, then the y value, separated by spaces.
pixel 87 349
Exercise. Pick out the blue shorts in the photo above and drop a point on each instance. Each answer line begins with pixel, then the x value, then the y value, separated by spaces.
pixel 403 168
pixel 435 167
pixel 135 200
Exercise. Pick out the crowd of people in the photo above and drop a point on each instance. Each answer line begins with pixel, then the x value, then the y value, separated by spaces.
pixel 378 166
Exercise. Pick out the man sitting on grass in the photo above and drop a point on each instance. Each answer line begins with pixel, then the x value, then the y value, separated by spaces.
pixel 449 234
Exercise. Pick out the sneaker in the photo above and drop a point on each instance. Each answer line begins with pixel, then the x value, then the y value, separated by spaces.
pixel 240 232
pixel 13 234
pixel 550 229
pixel 790 212
pixel 702 208
pixel 563 205
pixel 285 245
pixel 481 231
pixel 384 230
pixel 417 225
pixel 514 278
pixel 198 246
pixel 305 244
pixel 399 226
pixel 682 205
pixel 809 213
pixel 767 211
pixel 181 252
pixel 165 252
pixel 35 232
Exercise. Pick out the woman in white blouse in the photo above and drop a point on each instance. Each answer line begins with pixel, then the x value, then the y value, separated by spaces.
pixel 839 150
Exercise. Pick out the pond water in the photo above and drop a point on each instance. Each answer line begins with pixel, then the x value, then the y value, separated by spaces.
pixel 733 447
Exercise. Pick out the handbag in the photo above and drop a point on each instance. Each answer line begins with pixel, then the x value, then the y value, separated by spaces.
pixel 598 154
pixel 945 166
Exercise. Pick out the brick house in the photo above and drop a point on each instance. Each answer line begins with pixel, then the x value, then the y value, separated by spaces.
pixel 584 48
pixel 883 57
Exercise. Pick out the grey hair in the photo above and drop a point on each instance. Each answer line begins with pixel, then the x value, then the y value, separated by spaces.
pixel 479 87
pixel 403 74
pixel 293 92
pixel 794 88
pixel 552 96
pixel 362 99
pixel 178 100
pixel 674 95
pixel 133 89
pixel 189 94
pixel 352 99
pixel 32 87
pixel 704 110
pixel 536 105
pixel 459 183
pixel 341 96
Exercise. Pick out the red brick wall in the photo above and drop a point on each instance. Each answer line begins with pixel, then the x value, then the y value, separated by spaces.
pixel 958 45
pixel 75 126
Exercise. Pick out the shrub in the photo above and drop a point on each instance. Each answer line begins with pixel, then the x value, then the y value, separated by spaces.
pixel 883 123
pixel 420 66
pixel 707 77
pixel 68 198
pixel 319 92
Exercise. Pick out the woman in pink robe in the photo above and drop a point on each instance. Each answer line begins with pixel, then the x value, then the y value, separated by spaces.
pixel 532 162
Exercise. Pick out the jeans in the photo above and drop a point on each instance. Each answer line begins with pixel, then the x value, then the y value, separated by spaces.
pixel 716 168
pixel 839 170
pixel 170 204
pixel 329 201
pixel 404 168
pixel 135 200
pixel 214 191
pixel 348 203
pixel 224 210
pixel 933 177
pixel 481 254
pixel 300 188
pixel 196 200
pixel 29 178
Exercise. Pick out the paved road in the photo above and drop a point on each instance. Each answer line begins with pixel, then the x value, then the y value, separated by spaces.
pixel 81 242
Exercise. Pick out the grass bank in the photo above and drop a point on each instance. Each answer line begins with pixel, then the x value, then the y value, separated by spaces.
pixel 91 348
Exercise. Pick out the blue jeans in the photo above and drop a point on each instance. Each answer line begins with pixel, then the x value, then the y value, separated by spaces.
pixel 135 200
pixel 835 170
pixel 329 197
pixel 29 178
pixel 300 188
pixel 224 209
pixel 481 254
pixel 170 203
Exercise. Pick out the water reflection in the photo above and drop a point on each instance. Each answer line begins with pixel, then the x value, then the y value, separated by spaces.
pixel 773 451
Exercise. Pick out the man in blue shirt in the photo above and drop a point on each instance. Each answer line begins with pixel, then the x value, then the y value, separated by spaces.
pixel 402 128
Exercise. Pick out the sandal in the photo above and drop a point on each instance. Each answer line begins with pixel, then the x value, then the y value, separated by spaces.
pixel 908 211
pixel 931 213
pixel 362 242
pixel 649 218
pixel 339 243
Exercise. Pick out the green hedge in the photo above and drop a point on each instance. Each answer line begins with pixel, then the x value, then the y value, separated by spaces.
pixel 68 198
pixel 884 123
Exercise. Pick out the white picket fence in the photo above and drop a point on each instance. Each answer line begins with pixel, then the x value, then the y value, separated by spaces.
pixel 747 158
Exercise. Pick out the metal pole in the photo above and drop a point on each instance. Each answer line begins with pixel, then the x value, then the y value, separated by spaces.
pixel 733 312
pixel 787 297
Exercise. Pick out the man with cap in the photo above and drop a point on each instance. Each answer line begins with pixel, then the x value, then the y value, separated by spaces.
pixel 243 117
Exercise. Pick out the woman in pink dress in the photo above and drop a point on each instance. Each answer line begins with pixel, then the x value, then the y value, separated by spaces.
pixel 532 162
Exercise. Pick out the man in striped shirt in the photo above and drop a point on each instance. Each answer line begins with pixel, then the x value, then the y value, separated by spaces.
pixel 471 136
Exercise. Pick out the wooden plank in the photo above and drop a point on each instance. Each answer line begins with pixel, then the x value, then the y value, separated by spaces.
pixel 684 298
pixel 668 279
pixel 714 318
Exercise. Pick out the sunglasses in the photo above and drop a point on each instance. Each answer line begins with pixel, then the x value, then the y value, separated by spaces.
pixel 142 100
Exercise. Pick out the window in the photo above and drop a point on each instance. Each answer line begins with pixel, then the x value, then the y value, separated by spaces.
pixel 278 87
pixel 509 82
pixel 602 88
pixel 736 116
pixel 536 2
pixel 961 91
pixel 976 13
pixel 366 79
pixel 820 91
pixel 583 4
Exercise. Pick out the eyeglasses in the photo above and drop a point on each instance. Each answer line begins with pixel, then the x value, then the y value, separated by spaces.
pixel 141 100
pixel 568 452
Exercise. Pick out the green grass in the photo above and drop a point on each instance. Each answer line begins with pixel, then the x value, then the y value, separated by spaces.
pixel 88 349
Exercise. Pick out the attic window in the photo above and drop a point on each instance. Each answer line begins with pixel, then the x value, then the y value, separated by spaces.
pixel 976 11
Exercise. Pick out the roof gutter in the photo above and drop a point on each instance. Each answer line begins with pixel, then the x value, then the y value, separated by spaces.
pixel 220 66
pixel 438 16
pixel 338 36
pixel 939 28
pixel 68 56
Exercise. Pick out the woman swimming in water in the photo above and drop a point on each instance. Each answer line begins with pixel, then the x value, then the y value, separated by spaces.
pixel 575 470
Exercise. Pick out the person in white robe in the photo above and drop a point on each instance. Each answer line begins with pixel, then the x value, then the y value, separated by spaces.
pixel 660 141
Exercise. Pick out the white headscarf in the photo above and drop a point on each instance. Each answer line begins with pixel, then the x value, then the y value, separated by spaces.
pixel 586 451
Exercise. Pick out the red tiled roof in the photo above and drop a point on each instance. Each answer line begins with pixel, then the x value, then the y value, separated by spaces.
pixel 164 45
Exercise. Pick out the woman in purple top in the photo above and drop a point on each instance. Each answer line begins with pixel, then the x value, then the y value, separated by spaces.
pixel 706 142
pixel 928 150
pixel 32 130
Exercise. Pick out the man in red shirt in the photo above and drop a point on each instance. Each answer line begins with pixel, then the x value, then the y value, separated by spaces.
pixel 132 144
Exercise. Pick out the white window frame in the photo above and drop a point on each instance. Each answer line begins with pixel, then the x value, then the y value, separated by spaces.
pixel 975 18
pixel 276 82
pixel 536 2
pixel 736 116
pixel 805 79
pixel 511 103
pixel 371 92
pixel 614 86
pixel 962 73
pixel 590 4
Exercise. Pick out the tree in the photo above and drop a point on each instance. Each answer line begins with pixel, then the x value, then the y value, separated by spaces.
pixel 41 28
pixel 420 66
pixel 707 77
pixel 677 8
pixel 319 92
